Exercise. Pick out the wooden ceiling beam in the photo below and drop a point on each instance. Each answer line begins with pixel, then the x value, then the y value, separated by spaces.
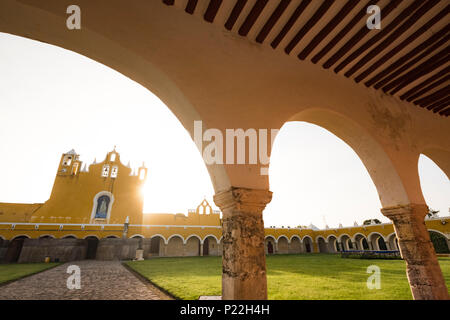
pixel 237 9
pixel 252 16
pixel 191 5
pixel 408 95
pixel 388 71
pixel 326 4
pixel 328 28
pixel 277 13
pixel 211 11
pixel 392 39
pixel 297 13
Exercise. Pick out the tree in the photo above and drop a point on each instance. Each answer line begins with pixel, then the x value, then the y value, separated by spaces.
pixel 432 213
pixel 371 221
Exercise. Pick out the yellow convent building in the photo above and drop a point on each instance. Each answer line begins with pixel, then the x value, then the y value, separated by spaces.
pixel 96 211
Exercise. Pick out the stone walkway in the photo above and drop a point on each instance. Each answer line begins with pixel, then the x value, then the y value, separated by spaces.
pixel 108 280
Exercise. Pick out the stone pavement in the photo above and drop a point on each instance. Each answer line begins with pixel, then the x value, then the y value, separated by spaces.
pixel 100 280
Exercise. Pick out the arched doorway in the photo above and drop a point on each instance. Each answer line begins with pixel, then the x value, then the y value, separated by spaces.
pixel 155 246
pixel 361 242
pixel 375 243
pixel 439 242
pixel 365 244
pixel 14 249
pixel 332 244
pixel 346 242
pixel 210 246
pixel 192 246
pixel 174 246
pixel 381 244
pixel 92 244
pixel 296 245
pixel 206 247
pixel 322 245
pixel 283 245
pixel 269 247
pixel 69 237
pixel 308 244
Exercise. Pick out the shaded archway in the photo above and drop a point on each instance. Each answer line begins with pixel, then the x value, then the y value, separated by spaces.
pixel 440 242
pixel 270 243
pixel 283 245
pixel 375 243
pixel 332 244
pixel 361 242
pixel 322 244
pixel 210 246
pixel 69 236
pixel 308 244
pixel 156 245
pixel 193 246
pixel 92 244
pixel 296 245
pixel 175 246
pixel 47 236
pixel 381 244
pixel 112 237
pixel 14 249
pixel 345 242
pixel 392 242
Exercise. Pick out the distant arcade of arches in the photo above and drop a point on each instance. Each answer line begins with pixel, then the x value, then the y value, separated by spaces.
pixel 177 245
pixel 333 244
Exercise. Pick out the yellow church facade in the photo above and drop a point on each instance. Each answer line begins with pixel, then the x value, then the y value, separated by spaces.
pixel 96 211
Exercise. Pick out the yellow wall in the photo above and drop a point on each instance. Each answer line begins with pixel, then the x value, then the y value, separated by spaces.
pixel 17 212
pixel 72 196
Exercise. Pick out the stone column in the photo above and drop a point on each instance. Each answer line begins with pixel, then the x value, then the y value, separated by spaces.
pixel 340 247
pixel 201 249
pixel 243 260
pixel 355 245
pixel 162 252
pixel 422 267
pixel 184 253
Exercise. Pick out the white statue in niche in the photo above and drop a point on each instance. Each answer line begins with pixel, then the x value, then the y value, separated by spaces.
pixel 102 207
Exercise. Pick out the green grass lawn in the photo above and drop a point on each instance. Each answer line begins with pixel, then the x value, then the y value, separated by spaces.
pixel 9 272
pixel 303 276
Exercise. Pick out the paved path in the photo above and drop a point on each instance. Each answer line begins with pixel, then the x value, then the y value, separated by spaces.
pixel 107 280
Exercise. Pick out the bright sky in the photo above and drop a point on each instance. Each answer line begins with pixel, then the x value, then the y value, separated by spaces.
pixel 53 100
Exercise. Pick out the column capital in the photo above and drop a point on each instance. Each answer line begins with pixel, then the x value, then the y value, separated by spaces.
pixel 243 199
pixel 419 210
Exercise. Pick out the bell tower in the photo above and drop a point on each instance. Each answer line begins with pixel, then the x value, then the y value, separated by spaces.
pixel 69 164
